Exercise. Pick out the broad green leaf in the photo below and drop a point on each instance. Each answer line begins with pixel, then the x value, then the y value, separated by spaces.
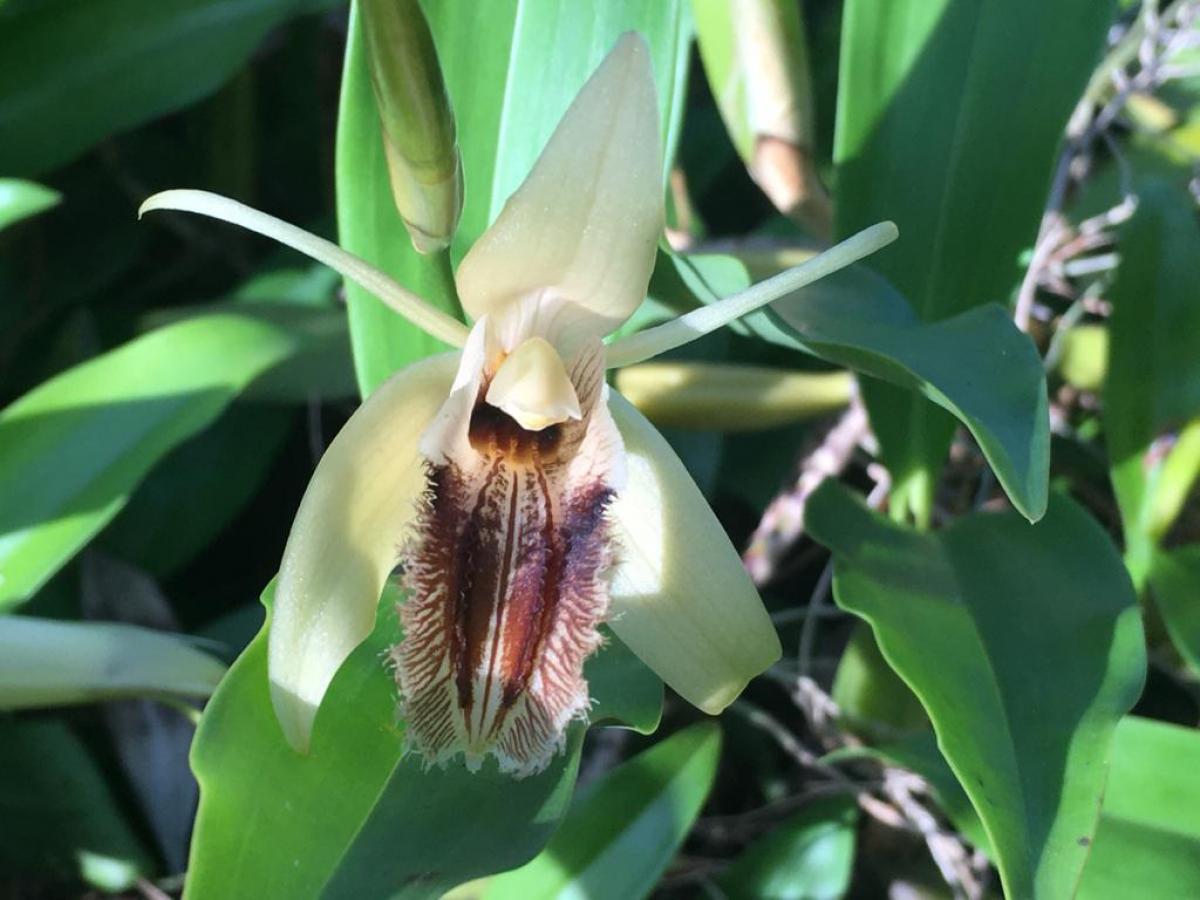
pixel 319 369
pixel 931 94
pixel 1148 844
pixel 300 300
pixel 976 365
pixel 45 662
pixel 74 448
pixel 1025 646
pixel 22 199
pixel 806 857
pixel 494 57
pixel 67 823
pixel 212 477
pixel 619 837
pixel 1153 380
pixel 1175 578
pixel 77 71
pixel 353 818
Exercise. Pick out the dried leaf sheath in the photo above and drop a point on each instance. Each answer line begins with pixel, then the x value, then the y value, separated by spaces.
pixel 507 578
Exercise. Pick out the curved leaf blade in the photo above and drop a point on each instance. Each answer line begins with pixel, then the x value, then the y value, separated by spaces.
pixel 45 662
pixel 1148 844
pixel 977 365
pixel 1025 646
pixel 22 199
pixel 1175 579
pixel 1153 378
pixel 807 857
pixel 74 448
pixel 619 838
pixel 920 85
pixel 353 818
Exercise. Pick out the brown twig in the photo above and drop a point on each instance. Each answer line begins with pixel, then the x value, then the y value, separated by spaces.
pixel 782 522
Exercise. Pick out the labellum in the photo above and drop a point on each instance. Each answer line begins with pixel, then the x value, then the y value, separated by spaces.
pixel 507 572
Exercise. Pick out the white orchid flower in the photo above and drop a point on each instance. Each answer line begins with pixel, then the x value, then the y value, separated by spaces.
pixel 523 501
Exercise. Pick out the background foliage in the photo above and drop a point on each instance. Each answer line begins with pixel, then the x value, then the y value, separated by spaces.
pixel 991 678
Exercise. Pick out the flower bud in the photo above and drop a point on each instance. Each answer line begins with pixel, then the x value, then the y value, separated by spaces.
pixel 417 122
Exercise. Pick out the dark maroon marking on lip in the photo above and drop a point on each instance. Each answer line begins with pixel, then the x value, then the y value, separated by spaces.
pixel 504 537
pixel 493 431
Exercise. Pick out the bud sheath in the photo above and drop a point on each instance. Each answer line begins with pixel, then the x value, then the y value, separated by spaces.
pixel 417 122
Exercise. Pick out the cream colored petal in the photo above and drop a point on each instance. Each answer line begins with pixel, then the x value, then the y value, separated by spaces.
pixel 647 344
pixel 533 387
pixel 345 538
pixel 428 318
pixel 583 227
pixel 680 597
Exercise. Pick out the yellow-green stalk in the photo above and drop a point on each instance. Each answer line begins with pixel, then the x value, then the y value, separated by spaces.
pixel 416 120
pixel 729 397
pixel 756 59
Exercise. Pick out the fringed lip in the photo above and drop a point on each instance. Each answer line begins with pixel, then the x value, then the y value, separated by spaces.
pixel 507 573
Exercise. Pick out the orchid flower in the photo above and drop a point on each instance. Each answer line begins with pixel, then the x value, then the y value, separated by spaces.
pixel 523 501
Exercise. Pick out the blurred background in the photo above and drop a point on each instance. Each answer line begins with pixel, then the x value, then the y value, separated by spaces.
pixel 104 102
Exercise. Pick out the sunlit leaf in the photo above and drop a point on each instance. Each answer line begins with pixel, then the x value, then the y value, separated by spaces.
pixel 22 199
pixel 921 140
pixel 618 837
pixel 1148 844
pixel 1025 646
pixel 44 662
pixel 352 818
pixel 73 449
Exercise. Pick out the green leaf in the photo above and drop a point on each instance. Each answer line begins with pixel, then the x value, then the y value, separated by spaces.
pixel 806 857
pixel 211 476
pixel 921 141
pixel 353 819
pixel 619 837
pixel 1153 378
pixel 494 57
pixel 22 199
pixel 45 662
pixel 976 365
pixel 871 698
pixel 1175 578
pixel 69 822
pixel 1025 646
pixel 1148 844
pixel 77 71
pixel 74 448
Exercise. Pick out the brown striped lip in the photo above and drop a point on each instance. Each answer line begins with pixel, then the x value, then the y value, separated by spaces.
pixel 506 580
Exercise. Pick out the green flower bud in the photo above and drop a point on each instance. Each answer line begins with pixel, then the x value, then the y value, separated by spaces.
pixel 419 140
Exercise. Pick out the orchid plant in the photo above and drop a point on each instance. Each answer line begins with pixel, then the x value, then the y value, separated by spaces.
pixel 523 501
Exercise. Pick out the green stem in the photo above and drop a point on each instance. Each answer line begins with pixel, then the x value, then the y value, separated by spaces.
pixel 445 286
